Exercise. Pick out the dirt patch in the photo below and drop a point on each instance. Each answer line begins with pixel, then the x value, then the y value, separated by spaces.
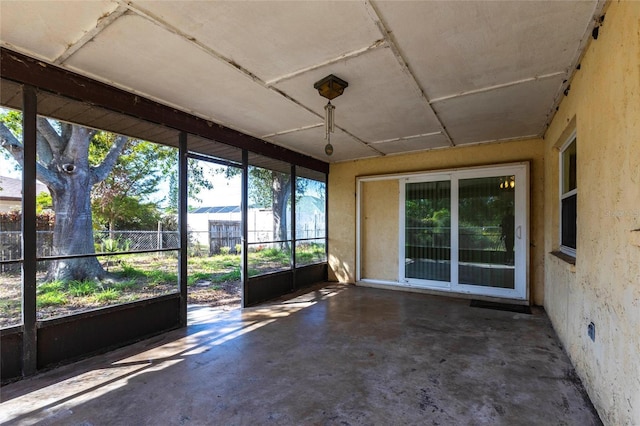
pixel 226 294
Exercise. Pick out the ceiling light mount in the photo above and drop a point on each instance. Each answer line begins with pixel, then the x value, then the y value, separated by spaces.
pixel 330 87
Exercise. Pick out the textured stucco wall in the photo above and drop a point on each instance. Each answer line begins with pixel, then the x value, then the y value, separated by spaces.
pixel 603 106
pixel 342 198
pixel 379 229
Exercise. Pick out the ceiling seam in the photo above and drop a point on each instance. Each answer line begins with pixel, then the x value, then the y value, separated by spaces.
pixel 299 129
pixel 165 25
pixel 348 55
pixel 367 144
pixel 388 37
pixel 400 153
pixel 405 138
pixel 103 22
pixel 498 86
pixel 509 139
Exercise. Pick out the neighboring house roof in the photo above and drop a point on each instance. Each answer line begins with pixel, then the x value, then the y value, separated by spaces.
pixel 11 189
pixel 218 209
pixel 308 201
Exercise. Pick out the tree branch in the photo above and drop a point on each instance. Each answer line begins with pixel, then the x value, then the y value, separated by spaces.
pixel 49 134
pixel 78 145
pixel 102 171
pixel 45 154
pixel 9 142
pixel 48 177
pixel 65 130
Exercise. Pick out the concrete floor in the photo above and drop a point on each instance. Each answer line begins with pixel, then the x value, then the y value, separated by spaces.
pixel 341 355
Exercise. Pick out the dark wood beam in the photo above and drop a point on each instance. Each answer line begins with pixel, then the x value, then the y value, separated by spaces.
pixel 183 202
pixel 29 243
pixel 26 70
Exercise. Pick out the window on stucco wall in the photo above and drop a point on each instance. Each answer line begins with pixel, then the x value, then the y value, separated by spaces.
pixel 568 197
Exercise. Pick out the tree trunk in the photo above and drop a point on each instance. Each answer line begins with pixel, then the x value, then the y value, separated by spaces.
pixel 73 229
pixel 281 192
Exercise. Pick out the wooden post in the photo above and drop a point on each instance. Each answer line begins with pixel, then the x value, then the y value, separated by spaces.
pixel 159 243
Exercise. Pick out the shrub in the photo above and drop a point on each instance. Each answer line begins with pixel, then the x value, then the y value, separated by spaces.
pixel 197 276
pixel 225 250
pixel 53 298
pixel 271 252
pixel 111 245
pixel 306 253
pixel 82 288
pixel 161 277
pixel 229 276
pixel 51 287
pixel 274 253
pixel 238 248
pixel 256 248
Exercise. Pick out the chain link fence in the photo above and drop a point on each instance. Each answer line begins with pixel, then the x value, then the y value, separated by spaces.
pixel 104 242
pixel 114 241
pixel 200 243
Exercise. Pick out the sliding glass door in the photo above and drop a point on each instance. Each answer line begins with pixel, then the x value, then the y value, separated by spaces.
pixel 486 230
pixel 427 232
pixel 465 231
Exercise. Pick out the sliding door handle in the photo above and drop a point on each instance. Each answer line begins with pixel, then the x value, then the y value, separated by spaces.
pixel 519 232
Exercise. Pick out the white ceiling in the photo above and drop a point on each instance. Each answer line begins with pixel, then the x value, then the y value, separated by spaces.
pixel 422 75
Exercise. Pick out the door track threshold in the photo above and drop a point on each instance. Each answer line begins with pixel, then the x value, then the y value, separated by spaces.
pixel 521 309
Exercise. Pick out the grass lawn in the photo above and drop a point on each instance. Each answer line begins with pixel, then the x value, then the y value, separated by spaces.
pixel 213 280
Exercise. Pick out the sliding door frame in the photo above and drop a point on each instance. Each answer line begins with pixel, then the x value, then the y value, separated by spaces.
pixel 521 230
pixel 520 170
